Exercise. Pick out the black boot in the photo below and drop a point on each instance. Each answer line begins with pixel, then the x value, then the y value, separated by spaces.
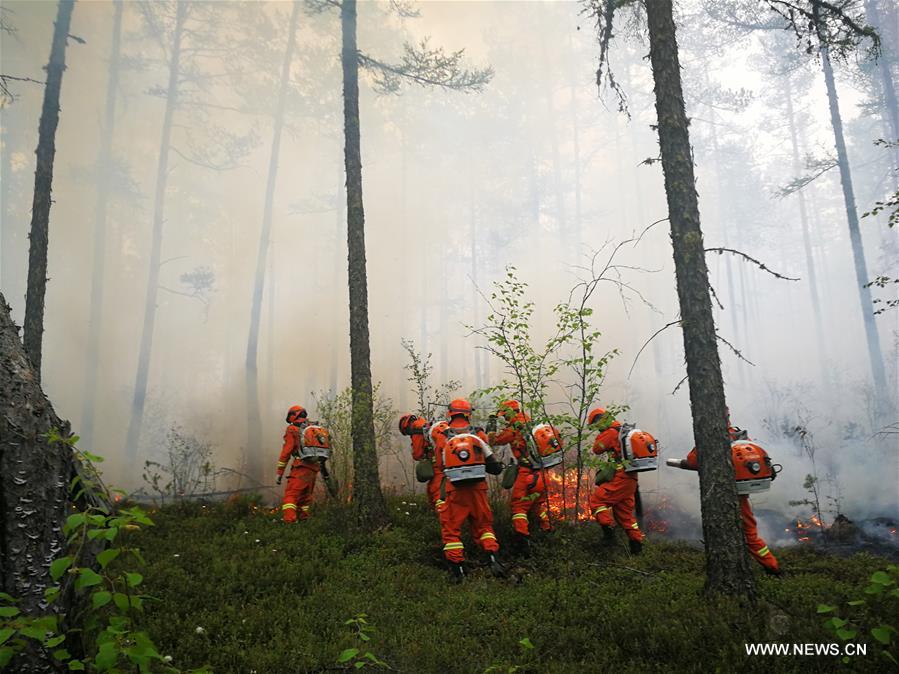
pixel 608 534
pixel 498 569
pixel 636 547
pixel 777 573
pixel 457 573
pixel 521 545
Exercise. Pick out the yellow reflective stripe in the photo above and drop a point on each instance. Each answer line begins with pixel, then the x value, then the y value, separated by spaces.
pixel 454 546
pixel 635 526
pixel 439 502
pixel 520 516
pixel 601 509
pixel 289 506
pixel 488 535
pixel 763 551
pixel 544 515
pixel 281 464
pixel 304 508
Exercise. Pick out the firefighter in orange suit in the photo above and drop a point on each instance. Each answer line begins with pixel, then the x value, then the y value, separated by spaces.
pixel 419 431
pixel 615 500
pixel 301 481
pixel 529 491
pixel 462 447
pixel 757 546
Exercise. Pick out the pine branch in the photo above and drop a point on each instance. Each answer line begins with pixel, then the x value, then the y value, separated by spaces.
pixel 757 263
pixel 426 67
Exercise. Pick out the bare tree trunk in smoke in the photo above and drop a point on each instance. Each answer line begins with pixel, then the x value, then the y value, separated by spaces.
pixel 727 564
pixel 104 158
pixel 875 355
pixel 371 509
pixel 254 419
pixel 162 175
pixel 890 105
pixel 43 185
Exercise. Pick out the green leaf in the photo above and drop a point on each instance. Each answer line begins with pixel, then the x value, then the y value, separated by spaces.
pixel 73 521
pixel 826 608
pixel 33 632
pixel 111 533
pixel 8 611
pixel 364 636
pixel 360 664
pixel 87 578
pixel 526 643
pixel 92 457
pixel 857 602
pixel 59 566
pixel 107 656
pixel 883 634
pixel 121 601
pixel 881 578
pixel 51 593
pixel 7 597
pixel 101 598
pixel 134 579
pixel 52 642
pixel 5 634
pixel 347 654
pixel 105 557
pixel 76 666
pixel 61 654
pixel 846 635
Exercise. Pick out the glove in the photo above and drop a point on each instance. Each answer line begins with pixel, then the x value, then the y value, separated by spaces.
pixel 278 481
pixel 493 466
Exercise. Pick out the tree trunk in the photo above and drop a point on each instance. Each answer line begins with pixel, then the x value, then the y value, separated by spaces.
pixel 727 564
pixel 162 175
pixel 875 355
pixel 43 184
pixel 34 486
pixel 821 335
pixel 92 360
pixel 371 510
pixel 890 105
pixel 254 419
pixel 473 219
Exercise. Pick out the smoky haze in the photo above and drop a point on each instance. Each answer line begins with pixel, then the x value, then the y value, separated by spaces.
pixel 537 171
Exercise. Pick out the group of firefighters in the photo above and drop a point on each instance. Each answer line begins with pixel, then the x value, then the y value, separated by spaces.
pixel 454 457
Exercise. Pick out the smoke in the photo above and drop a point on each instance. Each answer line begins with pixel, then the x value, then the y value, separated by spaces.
pixel 535 172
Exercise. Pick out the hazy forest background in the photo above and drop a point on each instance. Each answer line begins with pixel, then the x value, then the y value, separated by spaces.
pixel 535 171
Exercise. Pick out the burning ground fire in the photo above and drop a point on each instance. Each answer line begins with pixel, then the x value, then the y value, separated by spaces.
pixel 563 494
pixel 806 529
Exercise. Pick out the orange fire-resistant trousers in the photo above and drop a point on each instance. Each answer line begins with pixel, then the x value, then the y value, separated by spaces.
pixel 434 488
pixel 467 502
pixel 298 493
pixel 529 495
pixel 613 501
pixel 757 547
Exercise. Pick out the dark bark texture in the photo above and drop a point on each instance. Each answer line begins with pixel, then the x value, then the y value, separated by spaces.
pixel 43 185
pixel 369 501
pixel 132 442
pixel 34 484
pixel 727 564
pixel 875 355
pixel 92 361
pixel 254 419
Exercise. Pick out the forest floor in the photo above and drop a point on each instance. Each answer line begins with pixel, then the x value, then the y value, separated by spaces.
pixel 242 592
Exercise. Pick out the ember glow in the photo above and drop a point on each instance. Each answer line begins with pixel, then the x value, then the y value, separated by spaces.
pixel 805 528
pixel 656 518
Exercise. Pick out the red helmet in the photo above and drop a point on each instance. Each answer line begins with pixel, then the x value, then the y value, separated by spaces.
pixel 595 415
pixel 509 408
pixel 296 412
pixel 405 421
pixel 459 406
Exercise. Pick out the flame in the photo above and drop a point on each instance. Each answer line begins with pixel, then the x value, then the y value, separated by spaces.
pixel 559 483
pixel 803 528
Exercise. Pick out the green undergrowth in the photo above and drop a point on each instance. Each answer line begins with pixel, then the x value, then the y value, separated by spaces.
pixel 241 591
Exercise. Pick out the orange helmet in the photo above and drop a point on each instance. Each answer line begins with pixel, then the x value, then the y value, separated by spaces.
pixel 405 421
pixel 509 408
pixel 459 406
pixel 296 412
pixel 595 415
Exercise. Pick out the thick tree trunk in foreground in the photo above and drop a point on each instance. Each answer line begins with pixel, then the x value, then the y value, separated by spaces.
pixel 727 564
pixel 43 184
pixel 367 497
pixel 162 176
pixel 254 420
pixel 92 361
pixel 34 484
pixel 875 355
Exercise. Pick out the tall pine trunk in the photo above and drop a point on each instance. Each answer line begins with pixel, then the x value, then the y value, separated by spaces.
pixel 43 185
pixel 727 564
pixel 371 509
pixel 890 105
pixel 162 175
pixel 875 355
pixel 104 158
pixel 254 419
